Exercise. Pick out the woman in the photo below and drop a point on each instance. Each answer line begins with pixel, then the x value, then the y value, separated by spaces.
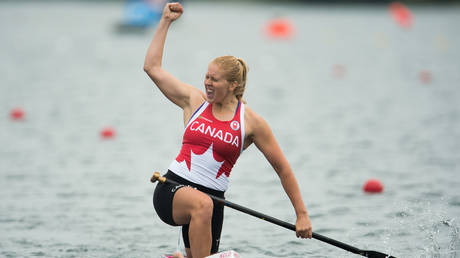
pixel 218 127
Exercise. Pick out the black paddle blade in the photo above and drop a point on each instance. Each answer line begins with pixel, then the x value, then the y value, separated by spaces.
pixel 375 254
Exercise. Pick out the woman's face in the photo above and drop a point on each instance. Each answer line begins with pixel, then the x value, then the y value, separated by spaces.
pixel 216 86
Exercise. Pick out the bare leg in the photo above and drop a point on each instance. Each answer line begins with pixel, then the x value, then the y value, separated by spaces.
pixel 188 252
pixel 178 255
pixel 193 207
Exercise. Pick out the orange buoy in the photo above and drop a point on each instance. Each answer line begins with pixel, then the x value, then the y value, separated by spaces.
pixel 401 14
pixel 17 114
pixel 373 186
pixel 108 133
pixel 279 28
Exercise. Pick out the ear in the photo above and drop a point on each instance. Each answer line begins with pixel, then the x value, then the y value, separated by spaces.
pixel 233 85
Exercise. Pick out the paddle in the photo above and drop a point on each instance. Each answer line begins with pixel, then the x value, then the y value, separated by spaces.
pixel 366 253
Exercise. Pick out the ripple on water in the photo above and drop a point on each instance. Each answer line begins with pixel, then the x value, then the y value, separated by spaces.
pixel 39 253
pixel 455 201
pixel 9 254
pixel 340 211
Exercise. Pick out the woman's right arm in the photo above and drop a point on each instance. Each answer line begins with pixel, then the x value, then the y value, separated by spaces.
pixel 178 92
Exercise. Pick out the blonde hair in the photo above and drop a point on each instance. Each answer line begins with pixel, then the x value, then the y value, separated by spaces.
pixel 235 70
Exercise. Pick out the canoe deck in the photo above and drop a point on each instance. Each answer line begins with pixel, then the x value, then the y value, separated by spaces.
pixel 224 254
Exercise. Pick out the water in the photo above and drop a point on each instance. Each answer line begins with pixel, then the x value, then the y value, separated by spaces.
pixel 68 193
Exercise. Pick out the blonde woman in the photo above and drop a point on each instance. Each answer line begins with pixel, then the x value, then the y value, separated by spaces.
pixel 218 127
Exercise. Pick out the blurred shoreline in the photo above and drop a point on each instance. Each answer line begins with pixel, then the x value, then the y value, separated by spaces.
pixel 319 2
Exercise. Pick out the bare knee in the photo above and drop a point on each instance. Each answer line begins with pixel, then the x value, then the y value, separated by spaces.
pixel 189 204
pixel 203 210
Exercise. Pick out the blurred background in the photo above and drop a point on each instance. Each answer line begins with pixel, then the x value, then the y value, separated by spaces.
pixel 353 90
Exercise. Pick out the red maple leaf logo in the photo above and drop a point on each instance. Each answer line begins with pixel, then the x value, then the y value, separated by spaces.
pixel 191 152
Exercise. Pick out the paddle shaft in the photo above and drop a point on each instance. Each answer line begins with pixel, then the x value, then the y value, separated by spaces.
pixel 279 222
pixel 284 224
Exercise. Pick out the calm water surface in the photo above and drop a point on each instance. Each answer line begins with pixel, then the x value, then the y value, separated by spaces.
pixel 343 97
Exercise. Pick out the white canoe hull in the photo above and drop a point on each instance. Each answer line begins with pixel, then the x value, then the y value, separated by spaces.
pixel 225 254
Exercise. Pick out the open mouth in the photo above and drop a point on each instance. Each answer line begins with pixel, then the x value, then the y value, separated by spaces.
pixel 209 93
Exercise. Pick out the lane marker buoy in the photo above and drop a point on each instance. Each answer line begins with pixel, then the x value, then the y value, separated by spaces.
pixel 401 14
pixel 279 28
pixel 373 186
pixel 425 76
pixel 107 133
pixel 17 114
pixel 338 71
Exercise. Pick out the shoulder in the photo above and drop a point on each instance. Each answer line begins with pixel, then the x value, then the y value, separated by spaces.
pixel 197 97
pixel 258 132
pixel 250 115
pixel 254 123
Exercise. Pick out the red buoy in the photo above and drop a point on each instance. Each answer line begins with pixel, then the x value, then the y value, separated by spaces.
pixel 338 71
pixel 401 14
pixel 107 133
pixel 373 186
pixel 280 29
pixel 425 76
pixel 17 114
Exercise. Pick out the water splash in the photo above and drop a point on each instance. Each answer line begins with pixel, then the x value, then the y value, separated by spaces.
pixel 444 239
pixel 439 234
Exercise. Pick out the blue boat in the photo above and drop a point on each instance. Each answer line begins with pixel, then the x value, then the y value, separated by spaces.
pixel 139 15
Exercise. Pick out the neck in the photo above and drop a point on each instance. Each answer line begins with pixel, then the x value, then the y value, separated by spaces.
pixel 228 104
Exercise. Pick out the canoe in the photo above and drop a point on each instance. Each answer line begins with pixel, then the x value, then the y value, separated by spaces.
pixel 224 254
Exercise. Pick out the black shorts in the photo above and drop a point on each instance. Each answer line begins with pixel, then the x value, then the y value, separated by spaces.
pixel 163 199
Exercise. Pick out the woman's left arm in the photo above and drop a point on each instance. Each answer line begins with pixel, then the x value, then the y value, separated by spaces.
pixel 263 138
